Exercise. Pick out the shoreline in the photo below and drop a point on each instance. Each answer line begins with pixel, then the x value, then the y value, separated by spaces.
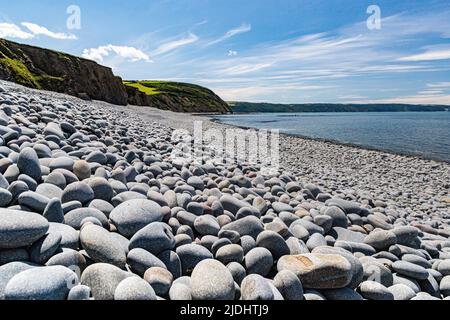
pixel 337 142
pixel 411 182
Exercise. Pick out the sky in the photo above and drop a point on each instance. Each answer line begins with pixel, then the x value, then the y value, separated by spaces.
pixel 284 51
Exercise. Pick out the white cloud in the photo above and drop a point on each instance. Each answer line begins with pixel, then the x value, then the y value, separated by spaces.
pixel 419 98
pixel 129 53
pixel 439 85
pixel 430 55
pixel 231 33
pixel 232 53
pixel 172 45
pixel 38 30
pixel 10 30
pixel 258 93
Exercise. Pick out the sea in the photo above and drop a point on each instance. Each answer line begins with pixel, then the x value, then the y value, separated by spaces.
pixel 423 134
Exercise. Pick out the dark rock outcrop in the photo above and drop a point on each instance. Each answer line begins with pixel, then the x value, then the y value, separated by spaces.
pixel 55 71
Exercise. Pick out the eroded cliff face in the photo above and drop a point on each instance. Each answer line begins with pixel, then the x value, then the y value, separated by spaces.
pixel 55 71
pixel 46 69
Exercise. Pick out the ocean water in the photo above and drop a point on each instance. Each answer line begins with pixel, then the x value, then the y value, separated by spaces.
pixel 424 134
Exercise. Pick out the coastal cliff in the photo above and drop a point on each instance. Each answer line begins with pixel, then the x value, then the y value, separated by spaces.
pixel 55 71
pixel 174 96
pixel 50 70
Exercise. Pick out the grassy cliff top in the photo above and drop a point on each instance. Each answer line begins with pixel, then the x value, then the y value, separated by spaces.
pixel 175 96
pixel 152 87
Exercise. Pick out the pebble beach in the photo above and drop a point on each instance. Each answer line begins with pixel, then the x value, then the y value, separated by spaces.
pixel 93 207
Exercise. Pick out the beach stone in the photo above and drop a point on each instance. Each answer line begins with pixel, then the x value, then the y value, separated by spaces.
pixel 61 163
pixel 248 226
pixel 5 197
pixel 280 207
pixel 444 286
pixel 13 255
pixel 347 206
pixel 102 189
pixel 102 206
pixel 338 216
pixel 237 271
pixel 160 279
pixel 410 270
pixel 78 191
pixel 140 260
pixel 316 240
pixel 181 289
pixel 417 260
pixel 41 283
pixel 8 271
pixel 309 226
pixel 377 222
pixel 103 279
pixel 155 238
pixel 288 285
pixel 79 293
pixel 410 282
pixel 57 179
pixel 372 290
pixel 74 217
pixel 232 204
pixel 355 247
pixel 381 240
pixel 247 243
pixel 69 236
pixel 259 261
pixel 53 212
pixel 207 225
pixel 20 228
pixel 131 216
pixel 230 253
pixel 97 156
pixel 444 267
pixel 33 200
pixel 313 295
pixel 49 191
pixel 402 292
pixel 342 234
pixel 82 169
pixel 28 163
pixel 342 294
pixel 190 255
pixel 405 234
pixel 172 262
pixel 101 247
pixel 231 235
pixel 134 288
pixel 273 242
pixel 45 247
pixel 357 266
pixel 68 258
pixel 124 196
pixel 255 287
pixel 318 271
pixel 211 280
pixel 374 269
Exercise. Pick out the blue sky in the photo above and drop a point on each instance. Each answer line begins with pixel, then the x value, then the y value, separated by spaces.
pixel 287 51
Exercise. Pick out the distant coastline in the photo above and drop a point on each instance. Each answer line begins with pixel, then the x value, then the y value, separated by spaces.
pixel 255 107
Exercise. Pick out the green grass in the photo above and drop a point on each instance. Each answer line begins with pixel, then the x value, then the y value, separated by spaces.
pixel 148 90
pixel 20 72
pixel 152 87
